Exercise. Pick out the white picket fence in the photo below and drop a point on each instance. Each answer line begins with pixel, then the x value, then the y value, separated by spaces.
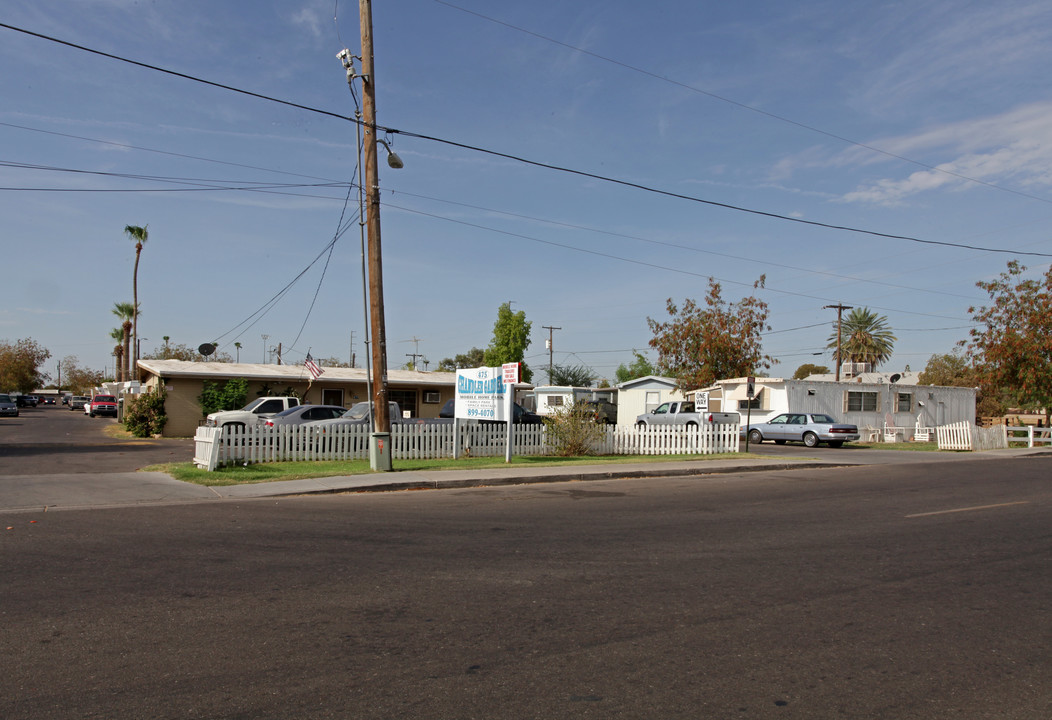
pixel 215 447
pixel 967 436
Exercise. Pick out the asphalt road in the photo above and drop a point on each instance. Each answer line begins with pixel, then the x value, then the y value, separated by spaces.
pixel 899 592
pixel 53 439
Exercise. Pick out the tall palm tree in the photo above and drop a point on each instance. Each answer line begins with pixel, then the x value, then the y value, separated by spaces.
pixel 864 338
pixel 125 311
pixel 139 236
pixel 118 352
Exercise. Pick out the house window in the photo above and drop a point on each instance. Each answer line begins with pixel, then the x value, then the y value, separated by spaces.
pixel 905 402
pixel 555 400
pixel 432 398
pixel 858 401
pixel 406 400
pixel 747 404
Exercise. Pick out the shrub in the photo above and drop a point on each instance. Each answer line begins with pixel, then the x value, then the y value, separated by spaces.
pixel 572 430
pixel 232 395
pixel 144 414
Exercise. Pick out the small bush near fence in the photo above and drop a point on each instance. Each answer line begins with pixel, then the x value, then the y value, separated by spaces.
pixel 572 431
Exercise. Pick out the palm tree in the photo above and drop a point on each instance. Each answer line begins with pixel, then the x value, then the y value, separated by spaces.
pixel 118 352
pixel 864 338
pixel 126 312
pixel 139 235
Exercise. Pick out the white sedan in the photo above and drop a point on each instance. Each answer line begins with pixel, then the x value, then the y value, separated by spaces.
pixel 808 428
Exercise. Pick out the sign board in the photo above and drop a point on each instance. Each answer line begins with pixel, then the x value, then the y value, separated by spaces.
pixel 750 388
pixel 701 401
pixel 481 394
pixel 511 373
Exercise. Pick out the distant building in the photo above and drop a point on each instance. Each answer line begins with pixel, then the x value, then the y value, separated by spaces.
pixel 421 394
pixel 870 401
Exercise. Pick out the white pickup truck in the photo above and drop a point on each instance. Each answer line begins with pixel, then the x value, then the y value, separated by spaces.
pixel 252 414
pixel 684 413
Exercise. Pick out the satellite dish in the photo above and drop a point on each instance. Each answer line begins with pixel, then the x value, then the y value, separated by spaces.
pixel 895 378
pixel 206 349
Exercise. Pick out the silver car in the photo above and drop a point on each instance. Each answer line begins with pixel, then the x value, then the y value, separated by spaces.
pixel 304 414
pixel 8 407
pixel 808 428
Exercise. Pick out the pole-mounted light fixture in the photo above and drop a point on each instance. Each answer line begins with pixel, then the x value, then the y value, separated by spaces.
pixel 393 160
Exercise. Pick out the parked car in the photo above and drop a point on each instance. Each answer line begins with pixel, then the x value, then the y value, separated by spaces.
pixel 26 401
pixel 102 405
pixel 77 402
pixel 8 407
pixel 808 428
pixel 604 411
pixel 304 414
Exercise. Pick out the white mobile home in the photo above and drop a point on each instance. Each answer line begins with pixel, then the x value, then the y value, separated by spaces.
pixel 642 395
pixel 548 399
pixel 872 406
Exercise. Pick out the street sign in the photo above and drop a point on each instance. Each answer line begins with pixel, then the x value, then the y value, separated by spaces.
pixel 750 388
pixel 511 373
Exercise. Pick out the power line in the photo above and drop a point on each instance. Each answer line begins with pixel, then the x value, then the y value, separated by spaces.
pixel 744 106
pixel 526 161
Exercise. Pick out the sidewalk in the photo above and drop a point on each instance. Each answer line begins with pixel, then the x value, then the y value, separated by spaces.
pixel 34 493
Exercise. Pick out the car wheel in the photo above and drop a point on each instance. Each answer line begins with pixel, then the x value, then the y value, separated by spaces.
pixel 755 437
pixel 810 440
pixel 692 424
pixel 640 426
pixel 91 414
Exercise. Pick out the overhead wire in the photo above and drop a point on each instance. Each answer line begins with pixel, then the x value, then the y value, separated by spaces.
pixel 526 161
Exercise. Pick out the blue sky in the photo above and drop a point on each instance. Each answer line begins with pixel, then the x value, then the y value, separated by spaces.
pixel 929 120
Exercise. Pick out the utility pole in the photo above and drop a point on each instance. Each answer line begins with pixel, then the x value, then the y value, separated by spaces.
pixel 279 353
pixel 550 330
pixel 379 458
pixel 840 308
pixel 265 338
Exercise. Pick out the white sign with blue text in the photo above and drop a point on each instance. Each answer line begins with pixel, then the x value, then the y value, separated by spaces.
pixel 481 394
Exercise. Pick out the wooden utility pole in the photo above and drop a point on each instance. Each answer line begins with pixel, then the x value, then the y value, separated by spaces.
pixel 551 347
pixel 839 309
pixel 381 412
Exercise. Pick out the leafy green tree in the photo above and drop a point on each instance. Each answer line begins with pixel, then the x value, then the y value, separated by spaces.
pixel 139 236
pixel 700 345
pixel 79 380
pixel 864 338
pixel 1012 348
pixel 809 369
pixel 473 358
pixel 956 370
pixel 571 376
pixel 20 366
pixel 184 352
pixel 231 395
pixel 511 338
pixel 639 367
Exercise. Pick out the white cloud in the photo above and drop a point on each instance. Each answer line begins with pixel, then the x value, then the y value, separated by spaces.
pixel 1014 149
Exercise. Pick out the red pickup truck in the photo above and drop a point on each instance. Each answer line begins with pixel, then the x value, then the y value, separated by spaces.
pixel 102 405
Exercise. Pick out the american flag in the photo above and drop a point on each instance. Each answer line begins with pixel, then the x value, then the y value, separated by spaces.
pixel 312 367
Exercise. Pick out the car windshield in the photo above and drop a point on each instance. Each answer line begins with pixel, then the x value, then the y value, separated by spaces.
pixel 5 398
pixel 822 419
pixel 357 411
pixel 290 411
pixel 105 398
